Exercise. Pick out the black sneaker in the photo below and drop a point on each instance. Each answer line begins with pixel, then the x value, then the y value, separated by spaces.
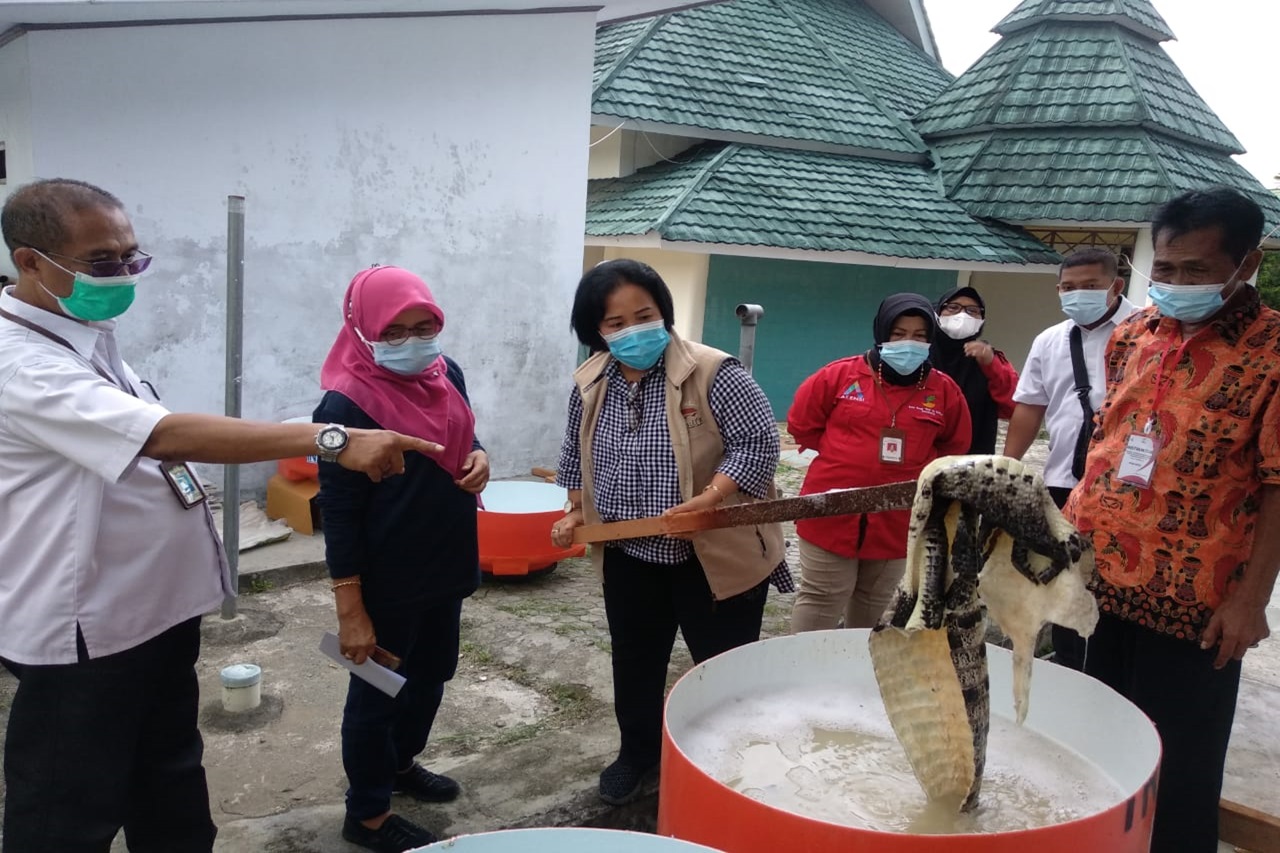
pixel 620 783
pixel 394 836
pixel 421 784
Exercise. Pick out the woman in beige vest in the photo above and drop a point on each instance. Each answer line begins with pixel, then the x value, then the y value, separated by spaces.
pixel 660 425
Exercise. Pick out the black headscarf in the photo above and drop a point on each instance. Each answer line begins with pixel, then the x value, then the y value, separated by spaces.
pixel 947 354
pixel 890 310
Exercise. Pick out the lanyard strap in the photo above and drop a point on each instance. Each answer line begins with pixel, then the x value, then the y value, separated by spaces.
pixel 61 341
pixel 884 395
pixel 1160 386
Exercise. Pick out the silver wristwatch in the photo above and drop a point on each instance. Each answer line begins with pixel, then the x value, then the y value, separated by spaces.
pixel 331 441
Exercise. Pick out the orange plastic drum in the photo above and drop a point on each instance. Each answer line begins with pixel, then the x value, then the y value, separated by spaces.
pixel 1070 708
pixel 564 841
pixel 515 527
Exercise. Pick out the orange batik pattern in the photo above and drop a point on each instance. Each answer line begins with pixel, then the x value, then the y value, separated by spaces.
pixel 1167 554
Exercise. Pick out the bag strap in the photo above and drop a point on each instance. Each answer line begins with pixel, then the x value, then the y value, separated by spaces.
pixel 1082 392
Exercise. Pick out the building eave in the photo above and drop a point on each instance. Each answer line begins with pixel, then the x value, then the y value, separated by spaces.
pixel 653 240
pixel 50 14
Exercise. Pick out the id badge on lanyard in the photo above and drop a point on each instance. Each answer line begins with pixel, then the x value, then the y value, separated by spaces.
pixel 1138 464
pixel 184 482
pixel 892 445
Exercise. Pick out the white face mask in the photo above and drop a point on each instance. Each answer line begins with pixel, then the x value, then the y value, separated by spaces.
pixel 960 326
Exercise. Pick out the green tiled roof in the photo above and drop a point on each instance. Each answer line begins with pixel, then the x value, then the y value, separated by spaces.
pixel 1137 15
pixel 1060 75
pixel 746 195
pixel 827 74
pixel 612 42
pixel 1083 176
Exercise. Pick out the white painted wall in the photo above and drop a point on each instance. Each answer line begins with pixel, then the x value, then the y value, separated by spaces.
pixel 1144 255
pixel 15 123
pixel 1019 307
pixel 451 146
pixel 686 276
pixel 616 153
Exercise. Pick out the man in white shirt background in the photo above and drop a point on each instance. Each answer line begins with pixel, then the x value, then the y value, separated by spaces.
pixel 106 563
pixel 1049 393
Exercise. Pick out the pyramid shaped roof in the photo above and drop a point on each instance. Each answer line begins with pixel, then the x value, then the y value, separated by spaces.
pixel 1083 175
pixel 1072 74
pixel 1138 16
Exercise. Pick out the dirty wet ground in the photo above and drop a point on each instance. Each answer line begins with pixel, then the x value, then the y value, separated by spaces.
pixel 526 724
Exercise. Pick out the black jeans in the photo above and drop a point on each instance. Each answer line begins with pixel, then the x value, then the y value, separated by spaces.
pixel 645 603
pixel 107 743
pixel 1192 705
pixel 1068 646
pixel 381 735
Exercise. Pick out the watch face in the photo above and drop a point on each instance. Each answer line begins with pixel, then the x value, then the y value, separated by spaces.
pixel 332 439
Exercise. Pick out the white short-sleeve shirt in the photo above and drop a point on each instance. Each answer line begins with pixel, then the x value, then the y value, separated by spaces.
pixel 93 534
pixel 1047 379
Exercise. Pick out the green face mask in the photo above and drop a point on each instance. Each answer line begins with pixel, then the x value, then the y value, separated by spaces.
pixel 97 298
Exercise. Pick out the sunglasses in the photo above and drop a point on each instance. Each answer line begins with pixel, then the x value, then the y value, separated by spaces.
pixel 135 264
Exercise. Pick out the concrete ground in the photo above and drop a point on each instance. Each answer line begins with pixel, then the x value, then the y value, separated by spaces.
pixel 526 725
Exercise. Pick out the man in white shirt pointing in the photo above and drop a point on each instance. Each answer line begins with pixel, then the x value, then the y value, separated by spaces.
pixel 108 558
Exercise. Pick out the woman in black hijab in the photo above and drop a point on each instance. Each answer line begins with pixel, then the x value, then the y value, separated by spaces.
pixel 983 373
pixel 874 418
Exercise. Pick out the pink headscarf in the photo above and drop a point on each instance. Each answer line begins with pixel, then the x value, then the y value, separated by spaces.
pixel 426 405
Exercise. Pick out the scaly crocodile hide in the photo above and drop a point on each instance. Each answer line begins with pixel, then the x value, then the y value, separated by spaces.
pixel 984 531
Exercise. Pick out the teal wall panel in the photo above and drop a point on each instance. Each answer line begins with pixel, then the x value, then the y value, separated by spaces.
pixel 814 313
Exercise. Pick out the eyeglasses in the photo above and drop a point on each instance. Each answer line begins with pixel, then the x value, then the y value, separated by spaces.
pixel 950 309
pixel 397 335
pixel 634 408
pixel 135 264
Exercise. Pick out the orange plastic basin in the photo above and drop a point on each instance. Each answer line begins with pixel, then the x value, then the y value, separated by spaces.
pixel 1073 709
pixel 515 528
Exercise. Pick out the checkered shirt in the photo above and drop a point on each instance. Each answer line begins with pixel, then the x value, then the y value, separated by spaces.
pixel 635 472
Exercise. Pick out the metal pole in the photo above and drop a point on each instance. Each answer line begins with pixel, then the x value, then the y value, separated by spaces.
pixel 232 390
pixel 750 316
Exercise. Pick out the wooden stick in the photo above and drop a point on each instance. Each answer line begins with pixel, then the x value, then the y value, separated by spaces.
pixel 839 502
pixel 1248 828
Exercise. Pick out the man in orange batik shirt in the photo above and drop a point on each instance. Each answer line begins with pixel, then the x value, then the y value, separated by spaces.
pixel 1181 496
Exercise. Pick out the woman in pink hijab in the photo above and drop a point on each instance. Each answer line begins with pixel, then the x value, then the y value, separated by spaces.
pixel 402 552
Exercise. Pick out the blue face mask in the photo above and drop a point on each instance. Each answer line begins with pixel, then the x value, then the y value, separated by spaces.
pixel 1188 303
pixel 409 358
pixel 639 346
pixel 904 357
pixel 1086 307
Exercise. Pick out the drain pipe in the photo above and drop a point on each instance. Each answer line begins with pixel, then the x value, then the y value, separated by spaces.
pixel 750 316
pixel 232 391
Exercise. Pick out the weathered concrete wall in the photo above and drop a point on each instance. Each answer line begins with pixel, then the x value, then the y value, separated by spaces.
pixel 15 123
pixel 451 146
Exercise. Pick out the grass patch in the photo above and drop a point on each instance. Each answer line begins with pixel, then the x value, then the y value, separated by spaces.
pixel 526 607
pixel 258 585
pixel 475 654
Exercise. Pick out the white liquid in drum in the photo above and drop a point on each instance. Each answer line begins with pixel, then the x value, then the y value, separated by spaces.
pixel 832 756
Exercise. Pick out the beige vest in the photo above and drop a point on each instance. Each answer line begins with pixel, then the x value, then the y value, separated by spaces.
pixel 735 559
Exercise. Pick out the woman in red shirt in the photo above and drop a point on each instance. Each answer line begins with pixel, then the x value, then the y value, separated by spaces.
pixel 874 418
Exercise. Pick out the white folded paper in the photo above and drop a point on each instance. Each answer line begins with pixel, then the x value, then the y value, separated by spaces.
pixel 376 674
